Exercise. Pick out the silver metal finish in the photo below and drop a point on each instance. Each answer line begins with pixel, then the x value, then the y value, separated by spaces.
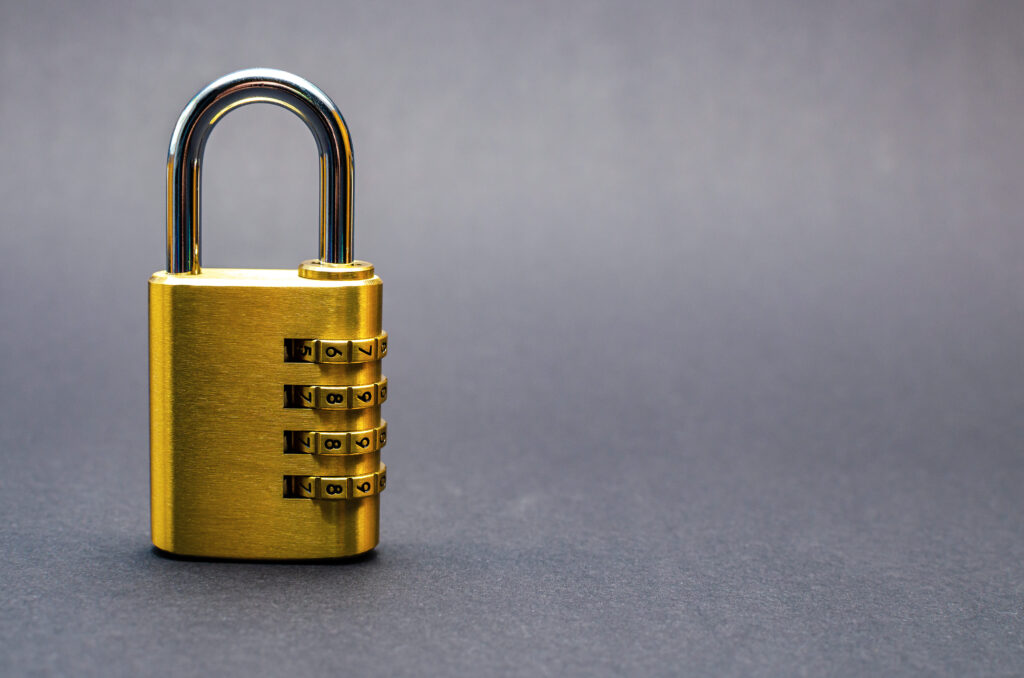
pixel 185 159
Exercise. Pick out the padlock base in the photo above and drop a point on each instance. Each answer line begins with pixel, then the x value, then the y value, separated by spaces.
pixel 340 560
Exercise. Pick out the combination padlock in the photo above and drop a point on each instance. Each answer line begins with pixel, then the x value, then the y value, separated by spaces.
pixel 265 385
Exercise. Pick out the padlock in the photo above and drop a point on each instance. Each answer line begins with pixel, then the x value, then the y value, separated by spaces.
pixel 265 385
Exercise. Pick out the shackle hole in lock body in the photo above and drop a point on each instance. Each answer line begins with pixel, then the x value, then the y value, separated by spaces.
pixel 337 168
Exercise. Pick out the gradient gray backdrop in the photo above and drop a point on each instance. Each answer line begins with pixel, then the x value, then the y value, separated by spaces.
pixel 707 335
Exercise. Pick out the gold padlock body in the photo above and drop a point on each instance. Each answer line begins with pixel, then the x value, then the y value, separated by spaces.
pixel 218 383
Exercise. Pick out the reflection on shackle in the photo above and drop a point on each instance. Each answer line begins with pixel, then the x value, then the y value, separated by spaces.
pixel 188 141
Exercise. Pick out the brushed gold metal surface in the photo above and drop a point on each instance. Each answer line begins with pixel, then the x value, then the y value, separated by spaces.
pixel 219 423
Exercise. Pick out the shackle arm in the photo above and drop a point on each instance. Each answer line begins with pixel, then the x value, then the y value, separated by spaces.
pixel 188 141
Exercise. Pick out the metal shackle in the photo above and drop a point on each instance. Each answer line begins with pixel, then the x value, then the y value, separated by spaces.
pixel 188 141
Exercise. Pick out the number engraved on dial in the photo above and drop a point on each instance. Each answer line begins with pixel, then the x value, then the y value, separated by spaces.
pixel 336 487
pixel 336 442
pixel 336 350
pixel 364 486
pixel 336 397
pixel 334 353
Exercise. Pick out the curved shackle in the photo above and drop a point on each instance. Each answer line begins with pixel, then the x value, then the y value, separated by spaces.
pixel 188 141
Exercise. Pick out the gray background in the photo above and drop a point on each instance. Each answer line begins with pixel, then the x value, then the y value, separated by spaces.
pixel 707 335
